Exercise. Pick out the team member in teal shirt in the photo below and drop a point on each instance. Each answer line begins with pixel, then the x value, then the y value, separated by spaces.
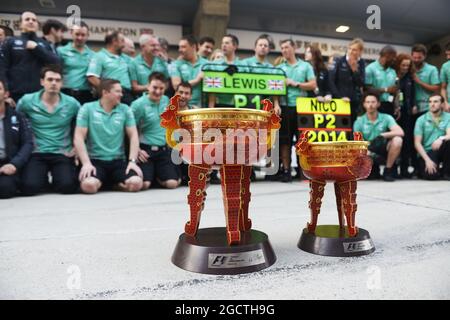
pixel 75 58
pixel 432 140
pixel 445 79
pixel 99 142
pixel 380 78
pixel 154 155
pixel 51 115
pixel 111 63
pixel 384 135
pixel 188 68
pixel 300 78
pixel 229 46
pixel 146 63
pixel 426 78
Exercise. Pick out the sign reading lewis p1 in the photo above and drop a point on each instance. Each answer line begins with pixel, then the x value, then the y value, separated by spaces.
pixel 240 88
pixel 326 121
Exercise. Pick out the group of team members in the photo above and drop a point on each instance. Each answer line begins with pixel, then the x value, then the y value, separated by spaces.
pixel 114 139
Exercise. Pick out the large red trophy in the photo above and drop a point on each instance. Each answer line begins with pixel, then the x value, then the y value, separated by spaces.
pixel 232 140
pixel 341 162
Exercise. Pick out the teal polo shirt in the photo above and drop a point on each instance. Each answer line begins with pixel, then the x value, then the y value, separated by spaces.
pixel 107 65
pixel 301 71
pixel 379 77
pixel 428 74
pixel 148 118
pixel 52 132
pixel 371 130
pixel 430 130
pixel 220 65
pixel 106 131
pixel 187 71
pixel 445 77
pixel 254 66
pixel 140 70
pixel 75 65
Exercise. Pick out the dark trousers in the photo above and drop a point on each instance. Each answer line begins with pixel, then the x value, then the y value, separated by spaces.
pixel 83 96
pixel 415 157
pixel 440 156
pixel 408 152
pixel 386 107
pixel 356 110
pixel 8 184
pixel 35 174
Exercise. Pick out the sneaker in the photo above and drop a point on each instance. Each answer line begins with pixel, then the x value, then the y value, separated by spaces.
pixel 405 174
pixel 214 179
pixel 374 173
pixel 286 176
pixel 388 175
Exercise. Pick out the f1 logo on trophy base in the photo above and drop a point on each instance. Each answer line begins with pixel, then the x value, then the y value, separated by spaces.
pixel 232 140
pixel 341 162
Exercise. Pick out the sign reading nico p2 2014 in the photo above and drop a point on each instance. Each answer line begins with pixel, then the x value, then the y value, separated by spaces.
pixel 246 90
pixel 326 121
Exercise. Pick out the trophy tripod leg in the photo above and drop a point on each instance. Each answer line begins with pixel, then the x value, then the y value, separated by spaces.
pixel 339 209
pixel 231 176
pixel 244 222
pixel 316 190
pixel 348 197
pixel 198 178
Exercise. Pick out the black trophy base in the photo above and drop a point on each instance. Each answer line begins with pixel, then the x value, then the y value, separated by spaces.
pixel 330 240
pixel 209 253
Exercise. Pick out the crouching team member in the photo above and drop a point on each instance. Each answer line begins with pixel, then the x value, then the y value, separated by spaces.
pixel 154 155
pixel 102 124
pixel 384 135
pixel 432 140
pixel 15 145
pixel 52 115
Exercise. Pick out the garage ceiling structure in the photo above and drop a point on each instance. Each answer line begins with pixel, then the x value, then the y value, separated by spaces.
pixel 402 21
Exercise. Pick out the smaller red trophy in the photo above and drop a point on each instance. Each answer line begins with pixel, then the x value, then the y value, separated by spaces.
pixel 341 162
pixel 231 140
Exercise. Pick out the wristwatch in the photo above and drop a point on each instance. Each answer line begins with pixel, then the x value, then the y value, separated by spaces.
pixel 132 160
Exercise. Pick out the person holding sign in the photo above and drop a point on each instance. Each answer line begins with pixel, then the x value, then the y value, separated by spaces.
pixel 432 140
pixel 229 46
pixel 300 79
pixel 347 76
pixel 384 135
pixel 381 78
pixel 188 68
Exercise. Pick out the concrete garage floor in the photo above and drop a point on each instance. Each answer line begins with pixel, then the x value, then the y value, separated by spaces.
pixel 118 246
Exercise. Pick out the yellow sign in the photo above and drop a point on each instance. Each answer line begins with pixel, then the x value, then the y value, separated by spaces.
pixel 312 106
pixel 326 121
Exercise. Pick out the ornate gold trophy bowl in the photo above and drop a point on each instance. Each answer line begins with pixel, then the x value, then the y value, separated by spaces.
pixel 215 131
pixel 232 140
pixel 341 162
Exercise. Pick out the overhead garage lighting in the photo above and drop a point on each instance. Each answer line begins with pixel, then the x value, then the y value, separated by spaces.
pixel 342 28
pixel 50 4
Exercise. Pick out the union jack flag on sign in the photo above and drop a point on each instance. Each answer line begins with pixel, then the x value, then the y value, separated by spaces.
pixel 275 84
pixel 213 82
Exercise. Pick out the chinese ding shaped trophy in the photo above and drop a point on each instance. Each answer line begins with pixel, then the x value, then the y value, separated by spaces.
pixel 232 140
pixel 341 162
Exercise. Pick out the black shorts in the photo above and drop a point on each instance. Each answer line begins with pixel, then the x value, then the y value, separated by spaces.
pixel 159 164
pixel 379 147
pixel 111 172
pixel 289 126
